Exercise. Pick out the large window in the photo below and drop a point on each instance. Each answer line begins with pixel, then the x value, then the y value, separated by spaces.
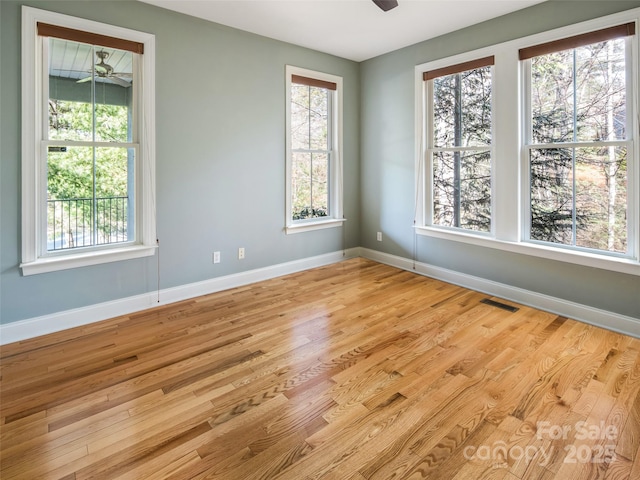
pixel 459 145
pixel 314 171
pixel 87 163
pixel 530 146
pixel 579 140
pixel 91 146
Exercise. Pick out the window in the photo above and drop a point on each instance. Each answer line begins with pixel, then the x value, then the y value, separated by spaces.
pixel 530 146
pixel 314 153
pixel 459 145
pixel 579 140
pixel 87 161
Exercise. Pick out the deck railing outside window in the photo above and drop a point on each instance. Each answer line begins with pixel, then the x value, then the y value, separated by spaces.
pixel 84 222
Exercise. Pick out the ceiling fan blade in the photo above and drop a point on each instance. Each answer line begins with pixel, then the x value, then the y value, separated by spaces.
pixel 82 80
pixel 119 81
pixel 386 5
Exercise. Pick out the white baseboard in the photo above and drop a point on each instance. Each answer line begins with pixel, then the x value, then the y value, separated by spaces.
pixel 55 322
pixel 35 327
pixel 600 318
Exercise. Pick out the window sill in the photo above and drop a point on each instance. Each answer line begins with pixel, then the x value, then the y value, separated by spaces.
pixel 314 225
pixel 611 263
pixel 84 259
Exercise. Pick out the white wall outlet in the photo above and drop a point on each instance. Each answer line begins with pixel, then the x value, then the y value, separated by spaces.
pixel 379 236
pixel 216 257
pixel 240 253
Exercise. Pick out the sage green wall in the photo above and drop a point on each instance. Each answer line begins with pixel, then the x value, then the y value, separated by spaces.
pixel 220 103
pixel 387 164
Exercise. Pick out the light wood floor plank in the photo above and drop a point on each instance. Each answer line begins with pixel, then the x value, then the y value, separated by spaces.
pixel 353 371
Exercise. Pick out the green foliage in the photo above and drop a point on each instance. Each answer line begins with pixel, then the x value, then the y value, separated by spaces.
pixel 71 173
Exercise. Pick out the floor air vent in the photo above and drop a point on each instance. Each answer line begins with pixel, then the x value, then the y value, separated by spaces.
pixel 503 306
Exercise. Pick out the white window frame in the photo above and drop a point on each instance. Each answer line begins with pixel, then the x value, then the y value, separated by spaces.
pixel 335 218
pixel 35 259
pixel 510 188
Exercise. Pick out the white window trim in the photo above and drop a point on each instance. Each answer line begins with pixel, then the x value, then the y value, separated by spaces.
pixel 336 180
pixel 509 175
pixel 34 261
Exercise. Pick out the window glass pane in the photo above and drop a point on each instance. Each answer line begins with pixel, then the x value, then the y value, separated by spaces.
pixel 300 126
pixel 69 197
pixel 462 109
pixel 320 184
pixel 70 101
pixel 319 118
pixel 301 185
pixel 89 199
pixel 552 195
pixel 114 189
pixel 601 198
pixel 579 197
pixel 86 80
pixel 601 91
pixel 579 94
pixel 309 185
pixel 552 97
pixel 113 120
pixel 309 117
pixel 462 190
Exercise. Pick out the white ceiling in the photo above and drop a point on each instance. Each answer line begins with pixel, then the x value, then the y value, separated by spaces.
pixel 353 29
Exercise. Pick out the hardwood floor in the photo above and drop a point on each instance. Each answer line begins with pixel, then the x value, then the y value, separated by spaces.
pixel 351 371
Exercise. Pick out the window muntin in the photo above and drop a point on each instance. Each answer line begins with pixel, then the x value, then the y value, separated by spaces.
pixel 578 149
pixel 91 154
pixel 459 147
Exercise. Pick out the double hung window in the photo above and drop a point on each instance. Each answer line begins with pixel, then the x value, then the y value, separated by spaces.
pixel 90 142
pixel 579 140
pixel 87 160
pixel 314 171
pixel 459 145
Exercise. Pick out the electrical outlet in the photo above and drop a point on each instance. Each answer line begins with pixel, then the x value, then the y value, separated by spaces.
pixel 240 253
pixel 216 257
pixel 379 236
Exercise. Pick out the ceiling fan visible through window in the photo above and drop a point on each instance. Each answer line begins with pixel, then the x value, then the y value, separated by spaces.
pixel 386 5
pixel 104 70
